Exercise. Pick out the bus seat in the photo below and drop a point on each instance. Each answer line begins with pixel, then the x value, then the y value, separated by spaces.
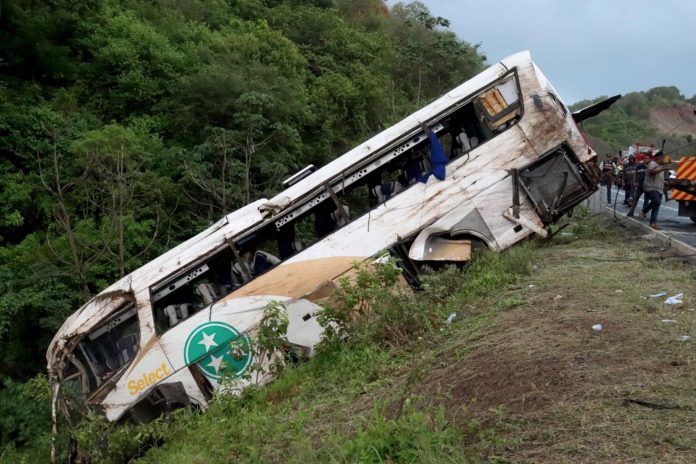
pixel 464 141
pixel 412 173
pixel 208 292
pixel 385 191
pixel 126 347
pixel 297 245
pixel 338 218
pixel 239 274
pixel 262 262
pixel 177 313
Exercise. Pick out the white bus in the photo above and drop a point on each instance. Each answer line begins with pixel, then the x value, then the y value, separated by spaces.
pixel 488 164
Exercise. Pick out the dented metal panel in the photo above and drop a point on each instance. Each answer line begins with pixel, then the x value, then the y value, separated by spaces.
pixel 442 249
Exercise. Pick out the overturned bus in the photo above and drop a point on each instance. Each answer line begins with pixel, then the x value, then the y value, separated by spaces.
pixel 488 164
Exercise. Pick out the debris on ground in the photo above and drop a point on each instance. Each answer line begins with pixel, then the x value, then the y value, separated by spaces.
pixel 675 300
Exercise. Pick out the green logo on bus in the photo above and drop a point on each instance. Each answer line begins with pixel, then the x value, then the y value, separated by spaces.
pixel 218 349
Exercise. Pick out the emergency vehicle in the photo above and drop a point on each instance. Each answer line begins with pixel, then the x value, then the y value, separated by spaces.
pixel 684 187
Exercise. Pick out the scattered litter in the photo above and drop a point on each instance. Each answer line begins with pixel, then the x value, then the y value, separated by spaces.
pixel 658 295
pixel 567 234
pixel 684 338
pixel 668 321
pixel 590 310
pixel 675 300
pixel 535 267
pixel 618 290
pixel 558 297
pixel 451 318
pixel 531 286
pixel 597 327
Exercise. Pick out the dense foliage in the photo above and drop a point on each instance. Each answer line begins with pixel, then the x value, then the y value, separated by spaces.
pixel 127 126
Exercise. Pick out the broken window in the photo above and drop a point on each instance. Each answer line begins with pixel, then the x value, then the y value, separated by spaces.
pixel 111 345
pixel 501 104
pixel 198 287
pixel 76 383
pixel 204 283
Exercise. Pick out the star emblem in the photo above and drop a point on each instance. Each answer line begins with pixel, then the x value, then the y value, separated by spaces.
pixel 208 341
pixel 218 349
pixel 215 362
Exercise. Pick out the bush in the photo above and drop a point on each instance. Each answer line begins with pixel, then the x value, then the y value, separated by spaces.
pixel 25 410
pixel 414 436
pixel 101 441
pixel 372 308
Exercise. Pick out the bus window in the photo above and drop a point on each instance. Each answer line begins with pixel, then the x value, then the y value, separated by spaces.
pixel 76 381
pixel 500 104
pixel 112 345
pixel 185 294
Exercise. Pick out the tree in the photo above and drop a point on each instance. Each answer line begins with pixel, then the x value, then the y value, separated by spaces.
pixel 121 190
pixel 74 247
pixel 132 65
pixel 430 60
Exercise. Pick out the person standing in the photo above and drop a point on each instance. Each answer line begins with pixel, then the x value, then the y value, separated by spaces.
pixel 607 167
pixel 641 169
pixel 629 178
pixel 653 186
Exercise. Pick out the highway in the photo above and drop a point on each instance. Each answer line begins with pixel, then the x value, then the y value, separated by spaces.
pixel 677 227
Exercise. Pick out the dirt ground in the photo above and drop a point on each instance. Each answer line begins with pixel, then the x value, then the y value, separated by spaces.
pixel 561 391
pixel 676 119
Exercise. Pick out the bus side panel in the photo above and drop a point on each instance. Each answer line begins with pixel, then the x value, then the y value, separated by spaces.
pixel 243 315
pixel 149 369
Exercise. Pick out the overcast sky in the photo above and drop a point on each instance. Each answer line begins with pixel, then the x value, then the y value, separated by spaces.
pixel 586 48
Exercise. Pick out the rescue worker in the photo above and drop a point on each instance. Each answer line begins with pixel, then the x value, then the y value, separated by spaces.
pixel 629 175
pixel 653 186
pixel 641 168
pixel 607 168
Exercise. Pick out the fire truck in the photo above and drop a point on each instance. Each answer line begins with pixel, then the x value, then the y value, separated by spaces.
pixel 643 153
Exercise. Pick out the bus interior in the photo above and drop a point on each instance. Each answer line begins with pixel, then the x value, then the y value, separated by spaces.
pixel 387 173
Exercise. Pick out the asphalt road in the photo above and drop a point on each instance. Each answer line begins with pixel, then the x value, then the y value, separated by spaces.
pixel 678 228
